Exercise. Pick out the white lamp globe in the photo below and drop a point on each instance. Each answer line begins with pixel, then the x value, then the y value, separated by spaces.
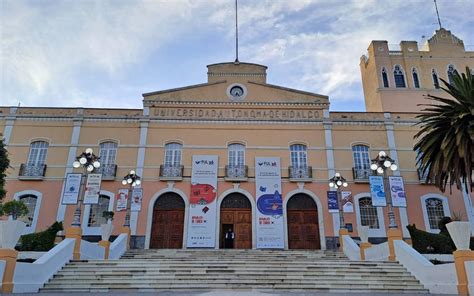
pixel 339 183
pixel 373 166
pixel 90 168
pixel 133 184
pixel 124 182
pixel 138 182
pixel 337 174
pixel 132 172
pixel 393 167
pixel 89 150
pixel 96 164
pixel 382 154
pixel 76 164
pixel 387 163
pixel 345 184
pixel 129 180
pixel 331 184
pixel 380 170
pixel 83 160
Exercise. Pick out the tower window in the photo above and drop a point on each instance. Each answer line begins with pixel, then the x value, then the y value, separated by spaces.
pixel 399 77
pixel 416 81
pixel 385 78
pixel 434 75
pixel 450 72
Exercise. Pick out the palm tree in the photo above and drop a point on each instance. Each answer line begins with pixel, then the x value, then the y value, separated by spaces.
pixel 445 141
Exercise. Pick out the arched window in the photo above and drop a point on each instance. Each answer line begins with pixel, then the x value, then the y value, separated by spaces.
pixel 30 201
pixel 96 210
pixel 298 156
pixel 38 152
pixel 434 75
pixel 173 154
pixel 385 77
pixel 368 213
pixel 398 76
pixel 107 153
pixel 360 154
pixel 434 211
pixel 236 155
pixel 416 81
pixel 450 73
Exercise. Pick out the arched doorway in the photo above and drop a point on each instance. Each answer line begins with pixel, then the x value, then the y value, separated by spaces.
pixel 236 214
pixel 303 228
pixel 168 222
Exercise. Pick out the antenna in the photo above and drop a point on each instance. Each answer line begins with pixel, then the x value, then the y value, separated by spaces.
pixel 437 13
pixel 236 35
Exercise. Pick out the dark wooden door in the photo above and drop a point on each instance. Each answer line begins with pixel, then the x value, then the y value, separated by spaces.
pixel 303 229
pixel 167 229
pixel 241 219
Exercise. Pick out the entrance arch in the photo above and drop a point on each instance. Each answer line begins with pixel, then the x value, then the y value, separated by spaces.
pixel 302 222
pixel 167 229
pixel 236 214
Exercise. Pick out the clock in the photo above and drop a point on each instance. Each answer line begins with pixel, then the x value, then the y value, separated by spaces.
pixel 236 92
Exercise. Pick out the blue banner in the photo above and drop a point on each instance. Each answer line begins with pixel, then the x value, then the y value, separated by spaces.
pixel 333 203
pixel 377 191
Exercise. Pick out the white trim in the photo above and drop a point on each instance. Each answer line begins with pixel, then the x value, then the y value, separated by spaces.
pixel 95 230
pixel 253 206
pixel 7 131
pixel 289 195
pixel 373 232
pixel 151 205
pixel 447 212
pixel 39 198
pixel 40 139
pixel 106 140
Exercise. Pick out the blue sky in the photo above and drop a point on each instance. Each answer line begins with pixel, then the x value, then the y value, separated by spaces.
pixel 107 53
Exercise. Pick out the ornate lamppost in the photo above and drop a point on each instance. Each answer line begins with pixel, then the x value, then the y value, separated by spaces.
pixel 337 182
pixel 89 162
pixel 132 179
pixel 381 164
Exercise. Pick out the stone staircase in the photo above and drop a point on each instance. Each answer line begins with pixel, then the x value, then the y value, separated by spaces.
pixel 204 270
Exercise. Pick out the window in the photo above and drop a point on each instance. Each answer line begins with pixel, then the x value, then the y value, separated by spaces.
pixel 416 81
pixel 434 75
pixel 361 157
pixel 435 211
pixel 298 156
pixel 30 202
pixel 236 155
pixel 450 73
pixel 384 77
pixel 38 152
pixel 96 210
pixel 107 153
pixel 173 154
pixel 368 213
pixel 398 76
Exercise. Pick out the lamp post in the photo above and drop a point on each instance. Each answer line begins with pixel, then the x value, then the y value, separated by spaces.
pixel 132 179
pixel 337 182
pixel 381 164
pixel 89 162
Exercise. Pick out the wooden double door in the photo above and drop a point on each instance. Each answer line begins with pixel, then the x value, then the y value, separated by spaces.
pixel 168 223
pixel 240 221
pixel 302 221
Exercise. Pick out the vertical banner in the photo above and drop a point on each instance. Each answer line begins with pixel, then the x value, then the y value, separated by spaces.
pixel 92 191
pixel 270 231
pixel 377 191
pixel 333 203
pixel 137 196
pixel 71 189
pixel 203 203
pixel 121 200
pixel 397 191
pixel 347 203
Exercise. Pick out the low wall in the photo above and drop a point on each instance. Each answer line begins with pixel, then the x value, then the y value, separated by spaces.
pixel 91 251
pixel 118 247
pixel 30 277
pixel 378 252
pixel 350 248
pixel 440 279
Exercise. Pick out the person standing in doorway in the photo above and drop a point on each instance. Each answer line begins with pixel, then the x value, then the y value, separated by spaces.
pixel 229 239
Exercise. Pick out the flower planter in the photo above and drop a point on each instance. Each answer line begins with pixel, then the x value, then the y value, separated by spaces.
pixel 106 231
pixel 460 232
pixel 363 233
pixel 10 232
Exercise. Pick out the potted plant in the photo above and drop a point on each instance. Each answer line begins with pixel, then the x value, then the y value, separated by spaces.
pixel 106 229
pixel 12 229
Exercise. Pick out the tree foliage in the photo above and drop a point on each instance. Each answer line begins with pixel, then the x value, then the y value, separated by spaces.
pixel 15 208
pixel 445 141
pixel 4 165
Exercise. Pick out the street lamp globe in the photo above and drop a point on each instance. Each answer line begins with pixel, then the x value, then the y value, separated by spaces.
pixel 393 167
pixel 124 182
pixel 380 170
pixel 96 164
pixel 89 150
pixel 373 166
pixel 76 164
pixel 345 184
pixel 82 160
pixel 331 184
pixel 132 172
pixel 387 163
pixel 382 154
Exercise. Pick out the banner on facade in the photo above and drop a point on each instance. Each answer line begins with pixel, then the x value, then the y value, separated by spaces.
pixel 203 202
pixel 397 191
pixel 121 200
pixel 333 203
pixel 347 202
pixel 72 188
pixel 377 191
pixel 270 230
pixel 137 196
pixel 92 190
